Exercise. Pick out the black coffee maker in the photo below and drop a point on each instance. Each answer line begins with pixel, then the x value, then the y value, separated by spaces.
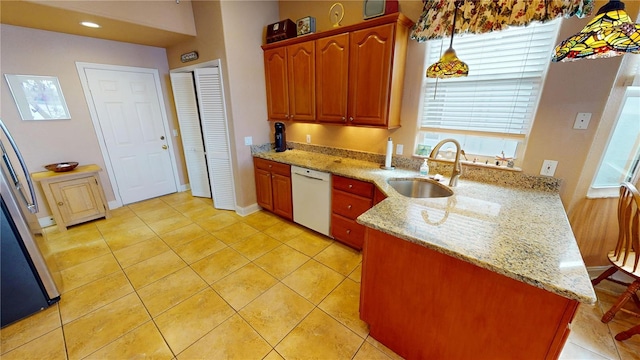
pixel 281 138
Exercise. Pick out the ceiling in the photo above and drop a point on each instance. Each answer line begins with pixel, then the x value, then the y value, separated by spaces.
pixel 37 16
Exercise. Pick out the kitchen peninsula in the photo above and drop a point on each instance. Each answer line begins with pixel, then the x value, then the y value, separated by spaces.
pixel 490 272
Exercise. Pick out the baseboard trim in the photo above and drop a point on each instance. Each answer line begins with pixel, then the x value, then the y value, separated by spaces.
pixel 184 187
pixel 247 210
pixel 46 221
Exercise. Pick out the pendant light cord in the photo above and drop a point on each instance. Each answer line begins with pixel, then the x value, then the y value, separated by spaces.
pixel 453 27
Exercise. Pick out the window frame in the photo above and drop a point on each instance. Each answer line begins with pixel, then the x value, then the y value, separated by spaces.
pixel 521 138
pixel 614 190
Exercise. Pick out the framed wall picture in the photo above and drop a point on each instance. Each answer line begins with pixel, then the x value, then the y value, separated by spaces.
pixel 38 97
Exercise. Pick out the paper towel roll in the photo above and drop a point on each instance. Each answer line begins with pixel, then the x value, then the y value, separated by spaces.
pixel 387 160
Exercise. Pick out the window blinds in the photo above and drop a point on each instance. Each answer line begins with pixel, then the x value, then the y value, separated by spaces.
pixel 501 93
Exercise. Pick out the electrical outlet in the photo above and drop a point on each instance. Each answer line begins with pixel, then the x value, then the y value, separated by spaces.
pixel 548 167
pixel 248 140
pixel 399 149
pixel 308 139
pixel 582 121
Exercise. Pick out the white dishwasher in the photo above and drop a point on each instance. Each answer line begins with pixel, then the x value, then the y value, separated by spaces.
pixel 311 191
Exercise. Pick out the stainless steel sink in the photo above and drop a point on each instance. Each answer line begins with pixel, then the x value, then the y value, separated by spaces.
pixel 420 188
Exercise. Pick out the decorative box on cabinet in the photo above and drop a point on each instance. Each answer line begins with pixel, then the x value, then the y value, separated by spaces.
pixel 359 74
pixel 273 187
pixel 349 199
pixel 74 196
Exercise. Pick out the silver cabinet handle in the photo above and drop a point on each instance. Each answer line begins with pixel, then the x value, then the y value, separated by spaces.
pixel 351 118
pixel 349 206
pixel 33 207
pixel 348 231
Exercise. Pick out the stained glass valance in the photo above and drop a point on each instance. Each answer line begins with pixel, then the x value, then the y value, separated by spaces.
pixel 481 16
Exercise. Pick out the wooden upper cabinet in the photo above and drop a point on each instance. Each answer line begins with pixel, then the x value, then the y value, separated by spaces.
pixel 332 75
pixel 275 69
pixel 301 64
pixel 370 57
pixel 353 76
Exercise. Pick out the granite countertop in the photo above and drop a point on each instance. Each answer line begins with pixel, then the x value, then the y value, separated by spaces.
pixel 521 233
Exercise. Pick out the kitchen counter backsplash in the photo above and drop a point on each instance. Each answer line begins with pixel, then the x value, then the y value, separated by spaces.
pixel 497 176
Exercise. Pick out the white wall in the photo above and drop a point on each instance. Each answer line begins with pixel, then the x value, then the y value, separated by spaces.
pixel 55 54
pixel 243 26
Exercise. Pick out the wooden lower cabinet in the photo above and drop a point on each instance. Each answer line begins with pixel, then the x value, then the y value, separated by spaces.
pixel 349 199
pixel 74 197
pixel 273 187
pixel 423 304
pixel 282 199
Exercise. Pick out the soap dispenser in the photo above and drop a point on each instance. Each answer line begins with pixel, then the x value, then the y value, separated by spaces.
pixel 424 168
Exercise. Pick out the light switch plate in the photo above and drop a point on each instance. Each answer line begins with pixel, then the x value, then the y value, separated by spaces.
pixel 248 140
pixel 399 149
pixel 175 133
pixel 548 167
pixel 582 121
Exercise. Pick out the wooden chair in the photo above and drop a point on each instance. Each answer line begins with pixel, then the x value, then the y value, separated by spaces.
pixel 626 255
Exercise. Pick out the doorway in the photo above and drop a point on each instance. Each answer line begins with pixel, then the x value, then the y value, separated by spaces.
pixel 200 104
pixel 131 124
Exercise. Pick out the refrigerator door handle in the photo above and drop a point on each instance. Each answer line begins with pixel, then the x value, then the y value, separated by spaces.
pixel 33 207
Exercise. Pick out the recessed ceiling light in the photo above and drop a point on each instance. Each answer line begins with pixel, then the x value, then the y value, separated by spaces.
pixel 89 24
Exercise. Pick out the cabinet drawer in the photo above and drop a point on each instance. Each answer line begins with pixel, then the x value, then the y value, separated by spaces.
pixel 353 186
pixel 347 231
pixel 272 166
pixel 349 205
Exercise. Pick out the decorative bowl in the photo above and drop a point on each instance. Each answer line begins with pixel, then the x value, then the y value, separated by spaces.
pixel 61 167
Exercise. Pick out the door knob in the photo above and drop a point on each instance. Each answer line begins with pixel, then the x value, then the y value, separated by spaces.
pixel 165 147
pixel 162 137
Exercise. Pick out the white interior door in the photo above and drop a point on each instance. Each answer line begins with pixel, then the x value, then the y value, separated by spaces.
pixel 184 95
pixel 215 133
pixel 128 110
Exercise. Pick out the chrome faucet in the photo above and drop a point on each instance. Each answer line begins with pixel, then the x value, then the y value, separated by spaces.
pixel 457 169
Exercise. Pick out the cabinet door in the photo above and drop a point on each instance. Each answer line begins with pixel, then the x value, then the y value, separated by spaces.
pixel 264 191
pixel 370 59
pixel 275 72
pixel 78 200
pixel 301 64
pixel 282 200
pixel 332 75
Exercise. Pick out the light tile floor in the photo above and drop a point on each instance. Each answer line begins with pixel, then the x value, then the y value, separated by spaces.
pixel 173 277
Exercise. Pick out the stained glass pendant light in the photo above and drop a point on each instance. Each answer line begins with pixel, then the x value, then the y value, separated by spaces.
pixel 449 65
pixel 610 33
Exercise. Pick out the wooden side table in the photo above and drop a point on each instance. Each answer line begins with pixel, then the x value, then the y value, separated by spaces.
pixel 74 196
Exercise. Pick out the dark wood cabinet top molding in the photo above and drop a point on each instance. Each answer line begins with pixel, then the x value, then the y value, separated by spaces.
pixel 387 19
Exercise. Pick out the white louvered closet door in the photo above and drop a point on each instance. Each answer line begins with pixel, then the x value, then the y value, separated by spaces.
pixel 213 119
pixel 184 95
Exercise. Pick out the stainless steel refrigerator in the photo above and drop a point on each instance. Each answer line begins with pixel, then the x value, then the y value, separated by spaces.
pixel 27 268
